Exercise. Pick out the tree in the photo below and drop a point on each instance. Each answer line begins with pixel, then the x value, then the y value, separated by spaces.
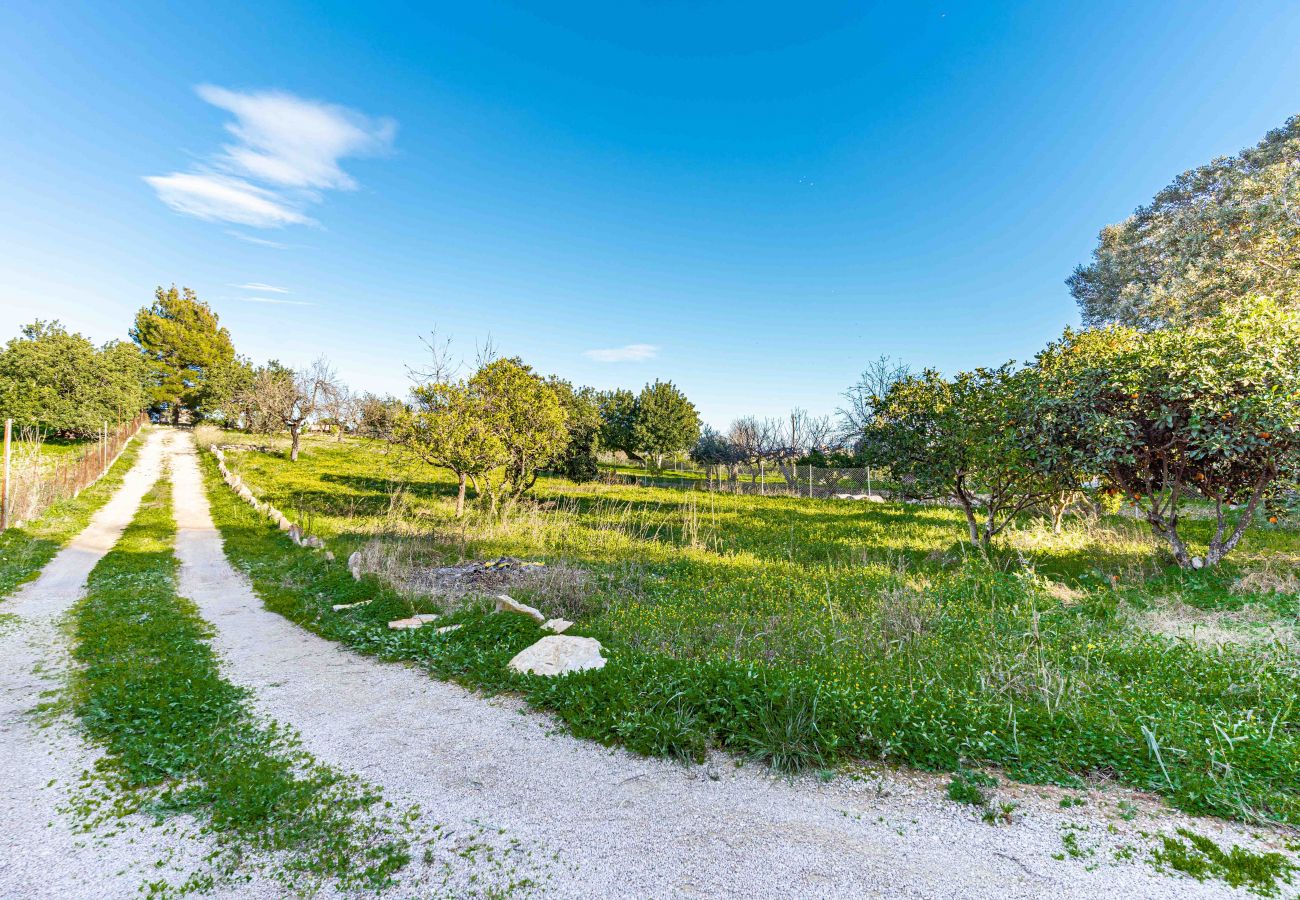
pixel 342 409
pixel 284 398
pixel 1218 233
pixel 618 416
pixel 188 349
pixel 448 427
pixel 962 439
pixel 378 416
pixel 715 450
pixel 60 381
pixel 665 421
pixel 863 398
pixel 526 417
pixel 584 422
pixel 1210 409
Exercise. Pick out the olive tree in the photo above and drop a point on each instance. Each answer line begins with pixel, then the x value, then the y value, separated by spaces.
pixel 1212 409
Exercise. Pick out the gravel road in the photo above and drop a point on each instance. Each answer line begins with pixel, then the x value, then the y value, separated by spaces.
pixel 579 820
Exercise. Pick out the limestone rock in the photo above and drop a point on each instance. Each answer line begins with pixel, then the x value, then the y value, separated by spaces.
pixel 295 534
pixel 339 607
pixel 447 629
pixel 509 604
pixel 559 655
pixel 314 542
pixel 354 565
pixel 329 556
pixel 417 621
pixel 558 626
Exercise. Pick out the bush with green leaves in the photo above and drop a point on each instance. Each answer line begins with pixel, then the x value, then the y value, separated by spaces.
pixel 965 439
pixel 59 381
pixel 1211 411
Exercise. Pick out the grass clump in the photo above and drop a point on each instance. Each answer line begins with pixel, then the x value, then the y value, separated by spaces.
pixel 1201 858
pixel 25 551
pixel 182 739
pixel 971 787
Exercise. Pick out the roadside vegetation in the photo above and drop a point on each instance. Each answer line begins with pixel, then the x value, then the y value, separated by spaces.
pixel 24 551
pixel 180 739
pixel 805 633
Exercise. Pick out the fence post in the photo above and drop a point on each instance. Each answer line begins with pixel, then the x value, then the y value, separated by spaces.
pixel 810 481
pixel 762 478
pixel 4 491
pixel 868 479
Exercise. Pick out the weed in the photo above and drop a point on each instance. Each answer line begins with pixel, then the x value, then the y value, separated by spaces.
pixel 969 786
pixel 1201 858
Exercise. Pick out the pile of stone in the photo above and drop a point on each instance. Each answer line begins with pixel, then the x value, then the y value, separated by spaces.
pixel 555 654
pixel 312 542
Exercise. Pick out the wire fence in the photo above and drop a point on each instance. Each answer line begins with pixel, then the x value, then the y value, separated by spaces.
pixel 34 477
pixel 765 480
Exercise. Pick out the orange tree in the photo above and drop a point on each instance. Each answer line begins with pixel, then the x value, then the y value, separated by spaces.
pixel 963 439
pixel 1210 410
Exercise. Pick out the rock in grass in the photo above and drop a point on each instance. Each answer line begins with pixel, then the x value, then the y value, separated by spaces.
pixel 559 655
pixel 509 604
pixel 418 621
pixel 558 626
pixel 314 542
pixel 447 629
pixel 339 607
pixel 354 565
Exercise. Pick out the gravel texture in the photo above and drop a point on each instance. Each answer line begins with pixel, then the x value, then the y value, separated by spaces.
pixel 44 848
pixel 580 820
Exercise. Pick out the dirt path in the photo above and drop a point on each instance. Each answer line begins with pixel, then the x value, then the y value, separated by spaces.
pixel 603 823
pixel 42 756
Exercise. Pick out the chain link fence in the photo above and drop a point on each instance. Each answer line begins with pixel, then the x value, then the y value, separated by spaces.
pixel 764 480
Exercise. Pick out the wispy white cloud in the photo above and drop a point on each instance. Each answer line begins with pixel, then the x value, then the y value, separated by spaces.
pixel 287 151
pixel 224 199
pixel 279 301
pixel 290 141
pixel 258 286
pixel 261 242
pixel 629 353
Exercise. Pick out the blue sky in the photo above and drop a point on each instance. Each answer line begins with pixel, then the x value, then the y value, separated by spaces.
pixel 750 199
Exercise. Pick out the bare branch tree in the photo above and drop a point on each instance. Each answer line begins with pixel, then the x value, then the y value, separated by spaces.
pixel 292 398
pixel 863 399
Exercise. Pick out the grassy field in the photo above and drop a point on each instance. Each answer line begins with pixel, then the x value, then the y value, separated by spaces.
pixel 804 633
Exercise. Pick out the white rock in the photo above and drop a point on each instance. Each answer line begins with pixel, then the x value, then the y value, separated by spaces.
pixel 559 626
pixel 875 498
pixel 1197 562
pixel 447 628
pixel 509 604
pixel 559 655
pixel 418 621
pixel 314 542
pixel 354 564
pixel 338 607
pixel 295 534
pixel 329 556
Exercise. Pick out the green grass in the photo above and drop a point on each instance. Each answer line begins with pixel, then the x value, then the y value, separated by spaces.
pixel 181 739
pixel 1201 858
pixel 803 633
pixel 25 551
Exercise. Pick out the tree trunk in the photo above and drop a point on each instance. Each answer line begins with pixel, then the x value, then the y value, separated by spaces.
pixel 294 430
pixel 1219 549
pixel 460 494
pixel 1169 531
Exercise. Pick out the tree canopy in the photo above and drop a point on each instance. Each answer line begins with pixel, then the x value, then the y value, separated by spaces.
pixel 1218 233
pixel 665 421
pixel 57 380
pixel 1210 410
pixel 189 352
